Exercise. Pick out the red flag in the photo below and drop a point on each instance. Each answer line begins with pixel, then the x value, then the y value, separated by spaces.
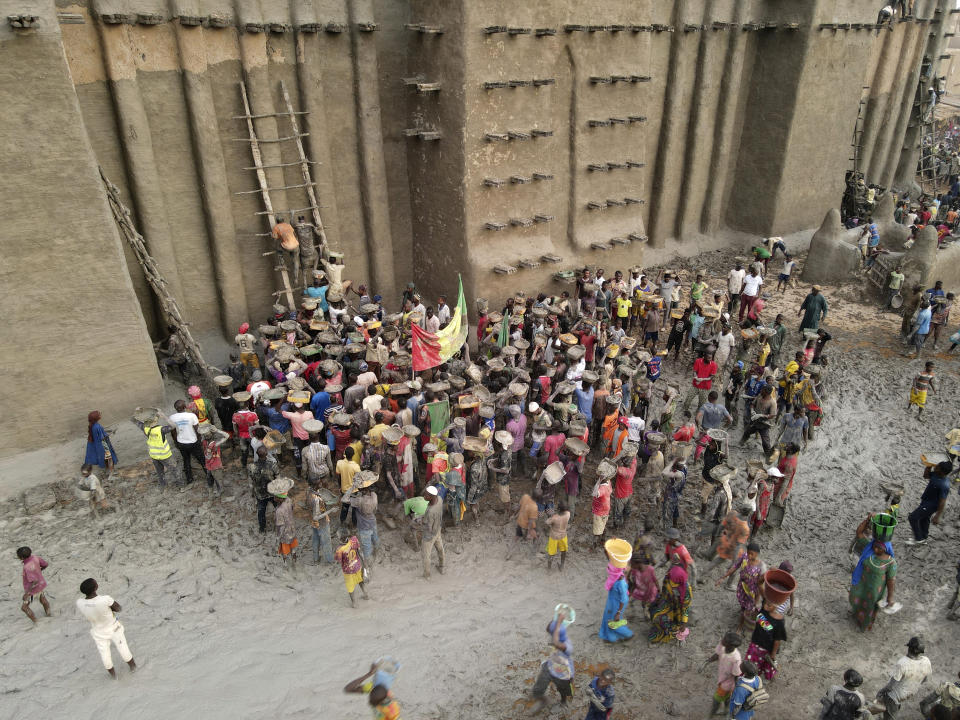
pixel 425 348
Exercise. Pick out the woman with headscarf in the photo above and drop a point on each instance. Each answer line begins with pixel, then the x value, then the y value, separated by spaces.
pixel 100 450
pixel 670 613
pixel 875 572
pixel 613 625
pixel 750 585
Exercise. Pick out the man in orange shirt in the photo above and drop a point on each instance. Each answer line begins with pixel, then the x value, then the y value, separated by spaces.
pixel 286 237
pixel 733 537
pixel 527 517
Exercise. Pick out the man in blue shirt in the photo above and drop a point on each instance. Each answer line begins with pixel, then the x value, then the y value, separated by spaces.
pixel 932 502
pixel 275 418
pixel 557 668
pixel 921 326
pixel 584 398
pixel 748 682
pixel 319 403
pixel 318 291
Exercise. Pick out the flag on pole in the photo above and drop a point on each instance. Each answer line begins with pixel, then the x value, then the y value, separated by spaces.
pixel 432 349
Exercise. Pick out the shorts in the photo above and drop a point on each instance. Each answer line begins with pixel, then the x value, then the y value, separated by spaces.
pixel 521 533
pixel 918 398
pixel 655 336
pixel 599 524
pixel 783 276
pixel 504 492
pixel 351 580
pixel 287 548
pixel 553 545
pixel 27 599
pixel 250 359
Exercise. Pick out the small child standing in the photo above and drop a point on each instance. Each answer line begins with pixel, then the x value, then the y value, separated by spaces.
pixel 728 670
pixel 33 581
pixel 212 438
pixel 91 485
pixel 643 583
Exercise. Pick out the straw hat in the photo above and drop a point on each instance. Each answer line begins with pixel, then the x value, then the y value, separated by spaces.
pixel 411 431
pixel 280 486
pixel 503 437
pixel 312 426
pixel 223 381
pixel 392 435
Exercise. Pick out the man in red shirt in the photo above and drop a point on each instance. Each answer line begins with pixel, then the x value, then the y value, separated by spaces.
pixel 588 339
pixel 675 547
pixel 704 370
pixel 601 510
pixel 243 420
pixel 623 489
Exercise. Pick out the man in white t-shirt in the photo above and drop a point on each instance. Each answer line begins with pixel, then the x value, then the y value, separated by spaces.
pixel 734 283
pixel 105 628
pixel 184 432
pixel 749 292
pixel 911 671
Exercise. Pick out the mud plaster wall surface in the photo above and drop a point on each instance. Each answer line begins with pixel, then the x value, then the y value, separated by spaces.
pixel 64 292
pixel 728 141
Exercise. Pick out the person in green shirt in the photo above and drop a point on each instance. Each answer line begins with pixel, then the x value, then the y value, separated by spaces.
pixel 697 288
pixel 894 283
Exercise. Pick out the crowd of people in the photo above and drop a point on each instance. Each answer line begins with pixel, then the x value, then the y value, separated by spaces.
pixel 557 405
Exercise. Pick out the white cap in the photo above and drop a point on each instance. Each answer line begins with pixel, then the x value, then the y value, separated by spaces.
pixel 431 490
pixel 533 407
pixel 774 471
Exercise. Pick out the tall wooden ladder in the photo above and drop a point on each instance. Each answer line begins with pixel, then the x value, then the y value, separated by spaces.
pixel 308 185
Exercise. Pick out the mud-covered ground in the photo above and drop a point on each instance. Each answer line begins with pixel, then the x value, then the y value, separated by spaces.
pixel 221 629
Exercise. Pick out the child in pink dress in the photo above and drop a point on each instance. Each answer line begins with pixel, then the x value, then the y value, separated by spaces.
pixel 33 581
pixel 642 582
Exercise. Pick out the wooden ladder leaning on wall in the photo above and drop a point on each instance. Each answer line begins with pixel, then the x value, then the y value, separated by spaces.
pixel 297 137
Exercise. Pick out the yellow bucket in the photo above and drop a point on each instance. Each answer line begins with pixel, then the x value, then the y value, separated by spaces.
pixel 619 551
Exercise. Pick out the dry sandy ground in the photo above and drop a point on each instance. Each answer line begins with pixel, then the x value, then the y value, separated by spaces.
pixel 221 630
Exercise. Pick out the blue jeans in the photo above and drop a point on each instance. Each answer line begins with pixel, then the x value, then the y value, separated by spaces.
pixel 321 542
pixel 368 541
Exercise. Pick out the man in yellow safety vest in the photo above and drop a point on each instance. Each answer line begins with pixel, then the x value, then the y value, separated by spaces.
pixel 158 444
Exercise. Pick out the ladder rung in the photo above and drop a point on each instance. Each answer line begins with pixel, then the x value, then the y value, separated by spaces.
pixel 270 140
pixel 289 164
pixel 284 187
pixel 265 115
pixel 291 211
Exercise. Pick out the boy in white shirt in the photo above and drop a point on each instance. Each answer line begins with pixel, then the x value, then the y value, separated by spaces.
pixel 105 628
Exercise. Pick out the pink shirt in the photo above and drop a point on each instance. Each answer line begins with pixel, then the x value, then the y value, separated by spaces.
pixel 518 429
pixel 33 582
pixel 728 667
pixel 296 423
